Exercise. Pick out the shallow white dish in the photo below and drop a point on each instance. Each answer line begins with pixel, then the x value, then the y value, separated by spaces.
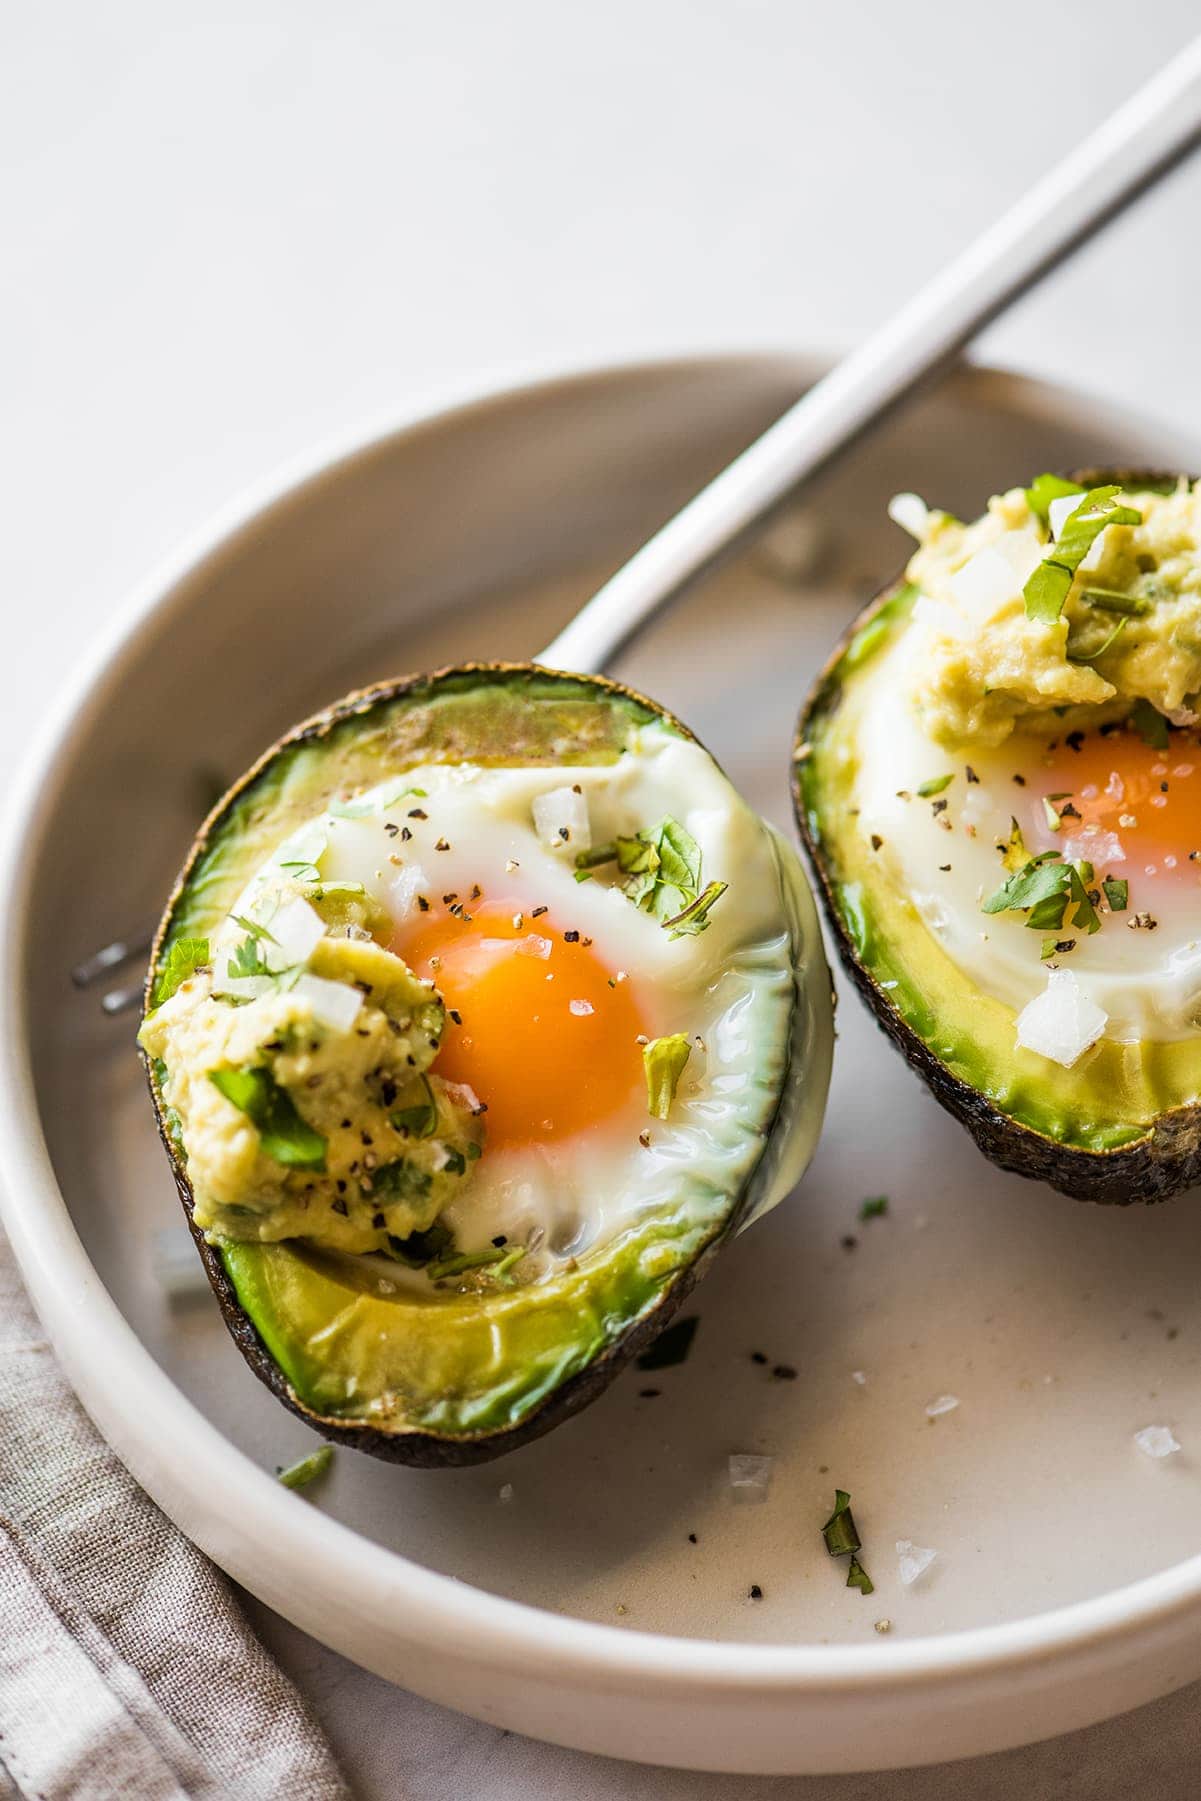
pixel 1068 1584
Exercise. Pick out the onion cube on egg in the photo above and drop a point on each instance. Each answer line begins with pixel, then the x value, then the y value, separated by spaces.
pixel 561 820
pixel 1061 1022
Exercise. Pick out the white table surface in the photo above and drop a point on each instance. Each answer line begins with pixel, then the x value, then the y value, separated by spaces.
pixel 230 231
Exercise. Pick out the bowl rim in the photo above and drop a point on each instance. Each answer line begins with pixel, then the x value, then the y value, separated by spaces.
pixel 249 1513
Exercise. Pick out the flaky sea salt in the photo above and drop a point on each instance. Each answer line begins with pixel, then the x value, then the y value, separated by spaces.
pixel 750 1477
pixel 504 1493
pixel 859 1377
pixel 941 1404
pixel 1156 1441
pixel 914 1560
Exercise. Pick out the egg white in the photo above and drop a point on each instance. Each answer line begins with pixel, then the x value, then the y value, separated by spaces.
pixel 731 989
pixel 1148 983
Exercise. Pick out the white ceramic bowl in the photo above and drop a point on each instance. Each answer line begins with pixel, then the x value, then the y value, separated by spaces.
pixel 1068 1584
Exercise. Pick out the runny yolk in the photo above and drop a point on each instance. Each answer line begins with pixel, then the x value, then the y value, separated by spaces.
pixel 546 1034
pixel 1149 799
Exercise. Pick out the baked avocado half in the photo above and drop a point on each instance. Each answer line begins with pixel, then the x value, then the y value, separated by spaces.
pixel 483 1013
pixel 997 778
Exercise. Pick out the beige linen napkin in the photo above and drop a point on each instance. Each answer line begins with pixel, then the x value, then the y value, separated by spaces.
pixel 126 1667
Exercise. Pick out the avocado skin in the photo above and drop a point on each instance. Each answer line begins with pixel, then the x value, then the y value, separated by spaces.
pixel 415 1447
pixel 1153 1168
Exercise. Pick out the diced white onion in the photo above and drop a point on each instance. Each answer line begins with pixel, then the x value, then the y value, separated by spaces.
pixel 1060 509
pixel 561 820
pixel 1061 1023
pixel 297 930
pixel 334 1004
pixel 940 617
pixel 913 1559
pixel 943 1404
pixel 1022 551
pixel 859 1378
pixel 750 1477
pixel 910 512
pixel 1157 1441
pixel 984 584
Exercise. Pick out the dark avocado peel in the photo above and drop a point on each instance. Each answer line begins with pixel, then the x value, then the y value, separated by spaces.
pixel 1124 1127
pixel 422 1381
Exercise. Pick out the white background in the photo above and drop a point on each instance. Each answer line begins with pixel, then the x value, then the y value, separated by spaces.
pixel 231 230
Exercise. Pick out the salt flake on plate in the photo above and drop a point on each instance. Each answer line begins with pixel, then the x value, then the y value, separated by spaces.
pixel 941 1404
pixel 750 1477
pixel 1156 1441
pixel 914 1560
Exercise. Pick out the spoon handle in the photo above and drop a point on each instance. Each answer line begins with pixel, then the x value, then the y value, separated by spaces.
pixel 1139 143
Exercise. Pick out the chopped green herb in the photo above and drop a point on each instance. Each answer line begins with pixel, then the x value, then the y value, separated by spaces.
pixel 456 1162
pixel 857 1577
pixel 1094 656
pixel 303 869
pixel 839 1530
pixel 663 1060
pixel 399 1181
pixel 695 917
pixel 308 1469
pixel 672 1345
pixel 874 1207
pixel 258 932
pixel 1150 724
pixel 1112 600
pixel 599 855
pixel 285 1136
pixel 1054 823
pixel 183 959
pixel 246 959
pixel 1117 893
pixel 1043 888
pixel 420 1120
pixel 462 1261
pixel 1048 588
pixel 935 785
pixel 1046 488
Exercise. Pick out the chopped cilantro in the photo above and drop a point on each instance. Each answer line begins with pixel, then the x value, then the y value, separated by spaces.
pixel 182 960
pixel 1047 589
pixel 935 785
pixel 874 1207
pixel 857 1577
pixel 308 1469
pixel 1043 888
pixel 695 917
pixel 1117 893
pixel 246 959
pixel 1046 488
pixel 839 1530
pixel 672 1345
pixel 285 1136
pixel 462 1261
pixel 1112 600
pixel 399 1181
pixel 663 1060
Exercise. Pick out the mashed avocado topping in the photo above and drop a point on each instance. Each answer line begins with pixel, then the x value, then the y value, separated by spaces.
pixel 299 1086
pixel 1122 567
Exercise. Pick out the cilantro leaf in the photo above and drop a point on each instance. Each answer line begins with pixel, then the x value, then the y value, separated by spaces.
pixel 246 959
pixel 663 1060
pixel 874 1207
pixel 857 1577
pixel 399 1181
pixel 935 785
pixel 1112 600
pixel 1047 589
pixel 695 917
pixel 839 1530
pixel 1117 893
pixel 182 960
pixel 1046 488
pixel 285 1136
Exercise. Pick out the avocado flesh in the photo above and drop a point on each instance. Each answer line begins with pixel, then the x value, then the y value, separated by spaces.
pixel 1125 1125
pixel 441 1377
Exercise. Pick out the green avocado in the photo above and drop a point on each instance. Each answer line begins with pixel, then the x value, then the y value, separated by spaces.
pixel 435 1373
pixel 1121 1125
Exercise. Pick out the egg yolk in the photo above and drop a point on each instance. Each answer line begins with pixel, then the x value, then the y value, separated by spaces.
pixel 1149 800
pixel 542 1030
